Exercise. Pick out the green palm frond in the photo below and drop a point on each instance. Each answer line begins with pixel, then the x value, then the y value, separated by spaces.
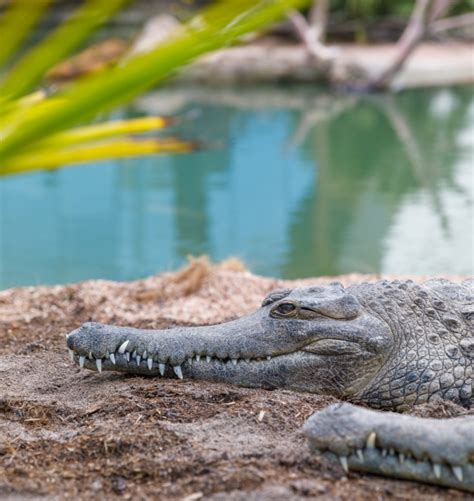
pixel 40 125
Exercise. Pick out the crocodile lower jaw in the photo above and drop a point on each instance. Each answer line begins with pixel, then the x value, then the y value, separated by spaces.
pixel 393 463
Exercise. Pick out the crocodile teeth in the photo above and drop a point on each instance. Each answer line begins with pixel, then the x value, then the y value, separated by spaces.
pixel 98 364
pixel 134 354
pixel 123 346
pixel 344 464
pixel 90 356
pixel 401 458
pixel 360 454
pixel 437 470
pixel 370 444
pixel 139 359
pixel 178 371
pixel 198 357
pixel 457 470
pixel 269 357
pixel 234 361
pixel 144 355
pixel 190 361
pixel 81 361
pixel 384 452
pixel 149 363
pixel 112 358
pixel 127 356
pixel 71 354
pixel 162 368
pixel 208 359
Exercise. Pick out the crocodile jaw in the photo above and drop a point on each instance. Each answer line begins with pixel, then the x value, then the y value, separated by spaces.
pixel 252 351
pixel 396 445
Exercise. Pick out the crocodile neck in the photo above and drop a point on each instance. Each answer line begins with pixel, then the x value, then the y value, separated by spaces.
pixel 428 359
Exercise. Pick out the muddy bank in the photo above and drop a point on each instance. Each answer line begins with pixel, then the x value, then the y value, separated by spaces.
pixel 65 433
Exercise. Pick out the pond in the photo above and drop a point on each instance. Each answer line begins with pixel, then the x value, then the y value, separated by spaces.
pixel 295 182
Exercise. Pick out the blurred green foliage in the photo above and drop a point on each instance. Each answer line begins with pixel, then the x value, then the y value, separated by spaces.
pixel 33 124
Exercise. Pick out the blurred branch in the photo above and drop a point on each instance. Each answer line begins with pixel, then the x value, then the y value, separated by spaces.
pixel 424 14
pixel 452 23
pixel 312 31
pixel 318 19
pixel 411 37
pixel 427 18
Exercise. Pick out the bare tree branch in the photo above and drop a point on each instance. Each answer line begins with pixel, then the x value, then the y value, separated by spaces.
pixel 425 14
pixel 440 9
pixel 318 19
pixel 310 36
pixel 418 20
pixel 451 23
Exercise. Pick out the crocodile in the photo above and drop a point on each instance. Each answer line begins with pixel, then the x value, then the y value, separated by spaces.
pixel 385 345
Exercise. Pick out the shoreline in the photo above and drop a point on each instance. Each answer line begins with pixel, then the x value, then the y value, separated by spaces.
pixel 431 65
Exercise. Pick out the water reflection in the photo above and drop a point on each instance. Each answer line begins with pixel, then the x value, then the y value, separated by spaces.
pixel 298 183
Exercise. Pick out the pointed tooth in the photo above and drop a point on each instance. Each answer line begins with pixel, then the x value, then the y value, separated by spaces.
pixel 123 346
pixel 162 368
pixel 112 358
pixel 178 371
pixel 437 470
pixel 190 360
pixel 401 457
pixel 370 444
pixel 234 361
pixel 198 357
pixel 208 358
pixel 344 464
pixel 107 354
pixel 81 361
pixel 457 470
pixel 149 363
pixel 134 354
pixel 90 356
pixel 127 356
pixel 71 354
pixel 360 454
pixel 144 354
pixel 247 360
pixel 139 359
pixel 384 452
pixel 269 357
pixel 98 364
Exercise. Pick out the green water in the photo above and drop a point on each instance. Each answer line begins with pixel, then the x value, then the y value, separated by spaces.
pixel 294 181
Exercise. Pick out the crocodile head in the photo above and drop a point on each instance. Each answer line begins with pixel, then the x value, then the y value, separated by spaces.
pixel 316 339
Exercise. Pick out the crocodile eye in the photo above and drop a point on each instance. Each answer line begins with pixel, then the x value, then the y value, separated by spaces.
pixel 285 309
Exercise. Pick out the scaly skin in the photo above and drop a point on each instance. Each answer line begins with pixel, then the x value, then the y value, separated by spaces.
pixel 438 451
pixel 389 345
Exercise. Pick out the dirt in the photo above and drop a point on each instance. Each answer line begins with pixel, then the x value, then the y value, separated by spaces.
pixel 66 433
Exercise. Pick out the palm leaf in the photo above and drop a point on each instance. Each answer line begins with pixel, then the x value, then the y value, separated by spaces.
pixel 26 128
pixel 42 159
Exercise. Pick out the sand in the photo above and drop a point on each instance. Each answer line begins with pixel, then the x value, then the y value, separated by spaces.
pixel 66 433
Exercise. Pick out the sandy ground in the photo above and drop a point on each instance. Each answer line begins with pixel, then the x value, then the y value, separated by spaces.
pixel 71 434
